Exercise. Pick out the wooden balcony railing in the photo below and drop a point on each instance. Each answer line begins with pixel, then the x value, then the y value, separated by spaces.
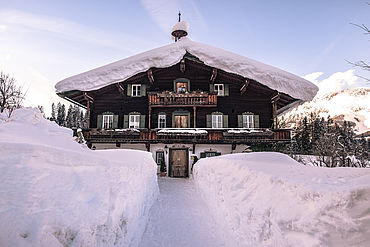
pixel 186 99
pixel 209 136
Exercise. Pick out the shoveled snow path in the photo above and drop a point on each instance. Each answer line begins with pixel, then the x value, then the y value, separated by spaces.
pixel 180 218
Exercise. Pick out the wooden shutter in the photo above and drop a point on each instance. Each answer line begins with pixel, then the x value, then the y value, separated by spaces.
pixel 115 122
pixel 226 89
pixel 99 124
pixel 225 121
pixel 125 121
pixel 129 90
pixel 209 121
pixel 240 121
pixel 256 121
pixel 143 90
pixel 211 88
pixel 142 121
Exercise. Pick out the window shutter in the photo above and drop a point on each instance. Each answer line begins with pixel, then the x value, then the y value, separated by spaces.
pixel 256 121
pixel 142 121
pixel 202 155
pixel 225 122
pixel 115 121
pixel 99 124
pixel 125 121
pixel 129 90
pixel 240 121
pixel 211 88
pixel 143 90
pixel 226 89
pixel 209 121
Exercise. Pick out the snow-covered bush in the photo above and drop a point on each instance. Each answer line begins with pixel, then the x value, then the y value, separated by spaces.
pixel 56 192
pixel 269 199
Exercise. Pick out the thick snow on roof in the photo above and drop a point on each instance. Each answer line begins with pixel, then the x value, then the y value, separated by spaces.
pixel 182 25
pixel 171 54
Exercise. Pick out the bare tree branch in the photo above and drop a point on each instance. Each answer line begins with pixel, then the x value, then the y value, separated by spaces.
pixel 11 95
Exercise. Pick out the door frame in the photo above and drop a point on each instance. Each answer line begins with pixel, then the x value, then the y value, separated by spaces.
pixel 170 163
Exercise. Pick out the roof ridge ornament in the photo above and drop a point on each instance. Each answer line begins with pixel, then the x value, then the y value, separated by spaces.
pixel 180 29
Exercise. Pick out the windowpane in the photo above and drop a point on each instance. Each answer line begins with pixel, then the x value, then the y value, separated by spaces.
pixel 159 157
pixel 216 121
pixel 181 87
pixel 136 90
pixel 161 121
pixel 134 121
pixel 248 121
pixel 219 88
pixel 107 121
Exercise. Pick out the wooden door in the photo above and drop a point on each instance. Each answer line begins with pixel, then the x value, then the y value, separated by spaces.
pixel 181 121
pixel 178 162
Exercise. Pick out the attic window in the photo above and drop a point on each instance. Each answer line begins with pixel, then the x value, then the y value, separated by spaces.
pixel 136 90
pixel 219 89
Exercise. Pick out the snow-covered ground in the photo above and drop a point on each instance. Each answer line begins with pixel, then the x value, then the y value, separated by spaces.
pixel 56 192
pixel 268 199
pixel 181 218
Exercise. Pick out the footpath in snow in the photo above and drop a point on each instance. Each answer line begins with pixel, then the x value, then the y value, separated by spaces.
pixel 181 218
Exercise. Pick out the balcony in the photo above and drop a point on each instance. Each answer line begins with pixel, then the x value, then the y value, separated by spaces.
pixel 204 135
pixel 171 99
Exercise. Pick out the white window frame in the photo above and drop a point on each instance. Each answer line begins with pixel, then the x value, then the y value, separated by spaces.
pixel 161 117
pixel 248 121
pixel 107 122
pixel 217 121
pixel 136 90
pixel 134 121
pixel 220 89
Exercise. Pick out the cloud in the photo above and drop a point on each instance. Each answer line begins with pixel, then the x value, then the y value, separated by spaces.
pixel 11 19
pixel 335 82
pixel 164 13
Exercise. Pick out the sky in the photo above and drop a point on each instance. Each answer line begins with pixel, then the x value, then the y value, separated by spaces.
pixel 45 41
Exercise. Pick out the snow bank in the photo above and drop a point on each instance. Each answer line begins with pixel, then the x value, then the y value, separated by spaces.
pixel 56 192
pixel 171 54
pixel 268 199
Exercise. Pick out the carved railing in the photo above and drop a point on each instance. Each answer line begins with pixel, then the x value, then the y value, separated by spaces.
pixel 186 99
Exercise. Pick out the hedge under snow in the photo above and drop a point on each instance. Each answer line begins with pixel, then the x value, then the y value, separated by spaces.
pixel 56 192
pixel 268 199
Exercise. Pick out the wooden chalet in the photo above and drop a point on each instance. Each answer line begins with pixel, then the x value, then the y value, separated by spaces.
pixel 183 108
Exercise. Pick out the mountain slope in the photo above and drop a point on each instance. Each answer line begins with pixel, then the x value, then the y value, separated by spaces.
pixel 350 105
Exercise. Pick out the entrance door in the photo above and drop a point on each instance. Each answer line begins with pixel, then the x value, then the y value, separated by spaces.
pixel 181 121
pixel 178 163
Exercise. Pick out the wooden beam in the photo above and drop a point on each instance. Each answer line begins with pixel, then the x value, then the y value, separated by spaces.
pixel 149 73
pixel 275 98
pixel 88 97
pixel 214 75
pixel 182 65
pixel 243 89
pixel 120 88
pixel 195 116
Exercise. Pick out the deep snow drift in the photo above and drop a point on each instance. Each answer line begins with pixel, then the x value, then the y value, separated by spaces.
pixel 268 199
pixel 56 192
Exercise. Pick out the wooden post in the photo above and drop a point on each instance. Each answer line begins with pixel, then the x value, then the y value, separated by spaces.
pixel 88 114
pixel 149 117
pixel 195 116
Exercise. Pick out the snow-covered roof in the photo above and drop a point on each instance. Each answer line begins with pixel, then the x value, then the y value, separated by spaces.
pixel 182 25
pixel 171 54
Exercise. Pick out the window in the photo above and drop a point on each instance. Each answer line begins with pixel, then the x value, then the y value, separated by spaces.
pixel 248 121
pixel 107 122
pixel 159 157
pixel 209 154
pixel 181 87
pixel 216 121
pixel 134 121
pixel 136 90
pixel 161 121
pixel 219 88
